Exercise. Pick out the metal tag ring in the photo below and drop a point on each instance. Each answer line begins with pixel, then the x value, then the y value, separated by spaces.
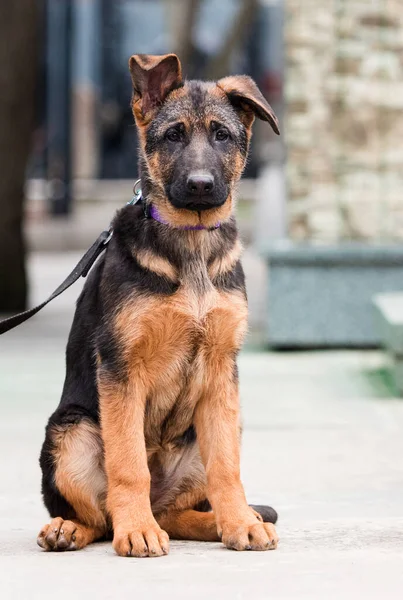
pixel 137 188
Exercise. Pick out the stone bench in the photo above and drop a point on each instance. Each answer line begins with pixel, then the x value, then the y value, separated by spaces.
pixel 389 311
pixel 321 296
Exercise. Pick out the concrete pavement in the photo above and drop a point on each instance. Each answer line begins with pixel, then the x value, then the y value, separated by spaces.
pixel 322 443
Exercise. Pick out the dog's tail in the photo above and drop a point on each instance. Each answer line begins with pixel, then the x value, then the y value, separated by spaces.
pixel 268 514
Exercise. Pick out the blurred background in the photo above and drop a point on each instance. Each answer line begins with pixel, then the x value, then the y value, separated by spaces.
pixel 320 208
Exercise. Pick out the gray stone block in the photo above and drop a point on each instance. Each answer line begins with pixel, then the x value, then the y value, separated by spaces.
pixel 321 296
pixel 397 372
pixel 389 311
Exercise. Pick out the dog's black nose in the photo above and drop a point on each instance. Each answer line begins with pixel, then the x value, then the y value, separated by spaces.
pixel 200 184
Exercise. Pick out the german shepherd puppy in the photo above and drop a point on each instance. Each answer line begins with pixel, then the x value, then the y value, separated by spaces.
pixel 145 442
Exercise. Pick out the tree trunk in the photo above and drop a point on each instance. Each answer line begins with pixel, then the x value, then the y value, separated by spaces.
pixel 185 38
pixel 181 18
pixel 219 65
pixel 19 25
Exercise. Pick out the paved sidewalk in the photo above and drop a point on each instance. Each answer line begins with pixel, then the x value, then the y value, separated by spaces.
pixel 323 443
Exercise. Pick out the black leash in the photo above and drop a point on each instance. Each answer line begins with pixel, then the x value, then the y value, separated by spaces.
pixel 80 270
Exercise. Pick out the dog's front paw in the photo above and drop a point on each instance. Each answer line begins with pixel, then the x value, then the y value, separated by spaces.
pixel 249 535
pixel 147 539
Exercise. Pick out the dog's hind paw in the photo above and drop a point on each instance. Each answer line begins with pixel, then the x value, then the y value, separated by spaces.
pixel 61 535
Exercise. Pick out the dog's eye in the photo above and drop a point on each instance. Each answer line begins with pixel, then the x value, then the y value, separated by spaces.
pixel 221 135
pixel 173 135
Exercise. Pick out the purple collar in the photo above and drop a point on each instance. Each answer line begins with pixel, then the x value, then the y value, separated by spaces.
pixel 154 214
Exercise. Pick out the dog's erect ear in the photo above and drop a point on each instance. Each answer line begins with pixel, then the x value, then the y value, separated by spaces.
pixel 153 78
pixel 246 97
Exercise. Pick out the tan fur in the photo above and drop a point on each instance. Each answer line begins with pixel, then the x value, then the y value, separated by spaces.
pixel 67 535
pixel 220 448
pixel 190 525
pixel 157 264
pixel 79 473
pixel 158 336
pixel 224 264
pixel 238 165
pixel 184 218
pixel 122 406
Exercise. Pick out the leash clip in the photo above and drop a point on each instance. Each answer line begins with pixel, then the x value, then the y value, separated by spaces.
pixel 136 193
pixel 108 239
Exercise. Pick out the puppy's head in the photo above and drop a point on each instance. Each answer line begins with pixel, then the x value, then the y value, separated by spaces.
pixel 194 137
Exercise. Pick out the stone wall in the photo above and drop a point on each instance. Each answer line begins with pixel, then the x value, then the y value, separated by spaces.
pixel 344 119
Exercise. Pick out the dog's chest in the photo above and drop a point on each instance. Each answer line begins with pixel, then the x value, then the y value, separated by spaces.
pixel 196 326
pixel 207 318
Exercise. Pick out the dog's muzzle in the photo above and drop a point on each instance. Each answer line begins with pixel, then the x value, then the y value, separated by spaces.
pixel 199 192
